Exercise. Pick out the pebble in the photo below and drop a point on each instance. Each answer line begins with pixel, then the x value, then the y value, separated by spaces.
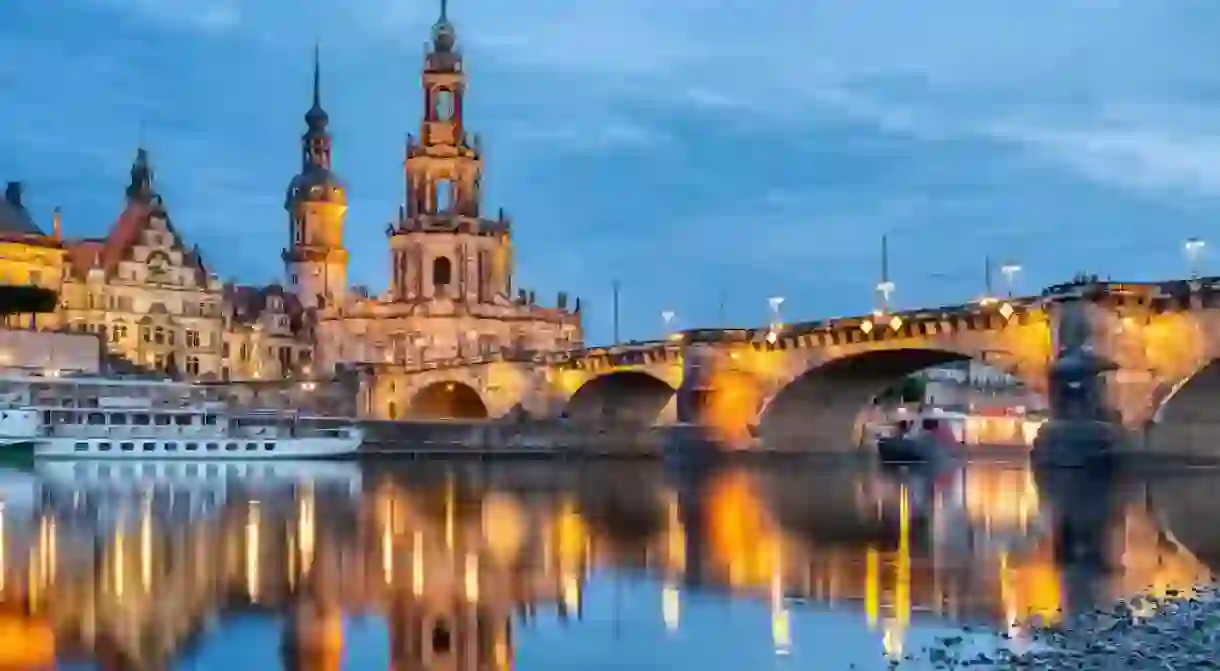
pixel 1181 631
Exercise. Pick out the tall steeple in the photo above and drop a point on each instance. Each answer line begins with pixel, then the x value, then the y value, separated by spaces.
pixel 315 144
pixel 141 188
pixel 315 261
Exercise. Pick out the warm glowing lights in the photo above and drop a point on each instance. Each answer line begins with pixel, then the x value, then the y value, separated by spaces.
pixel 895 322
pixel 503 527
pixel 306 528
pixel 417 563
pixel 450 511
pixel 471 578
pixel 387 551
pixel 671 607
pixel 253 573
pixel 3 548
pixel 146 551
pixel 571 592
pixel 872 586
pixel 866 327
pixel 1006 311
pixel 781 634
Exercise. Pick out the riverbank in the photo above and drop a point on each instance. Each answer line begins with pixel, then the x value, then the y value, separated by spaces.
pixel 1179 631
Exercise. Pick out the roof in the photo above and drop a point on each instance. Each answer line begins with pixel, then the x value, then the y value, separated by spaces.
pixel 14 218
pixel 249 302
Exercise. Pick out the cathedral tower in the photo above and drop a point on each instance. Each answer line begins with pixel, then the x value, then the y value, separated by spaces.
pixel 441 246
pixel 315 260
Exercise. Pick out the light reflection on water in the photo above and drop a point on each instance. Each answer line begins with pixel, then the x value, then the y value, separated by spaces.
pixel 544 566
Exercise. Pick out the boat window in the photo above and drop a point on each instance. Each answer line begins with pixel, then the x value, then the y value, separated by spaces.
pixel 171 447
pixel 209 420
pixel 46 416
pixel 82 447
pixel 213 446
pixel 182 420
pixel 269 446
pixel 97 418
pixel 162 420
pixel 231 446
pixel 117 418
pixel 127 447
pixel 251 446
pixel 149 447
pixel 140 419
pixel 105 447
pixel 192 446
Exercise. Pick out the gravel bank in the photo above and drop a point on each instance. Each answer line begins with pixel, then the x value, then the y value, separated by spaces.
pixel 1181 631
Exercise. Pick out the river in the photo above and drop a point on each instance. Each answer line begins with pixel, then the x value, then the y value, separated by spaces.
pixel 595 565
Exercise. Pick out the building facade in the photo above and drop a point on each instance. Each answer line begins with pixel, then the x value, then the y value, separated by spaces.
pixel 156 304
pixel 451 294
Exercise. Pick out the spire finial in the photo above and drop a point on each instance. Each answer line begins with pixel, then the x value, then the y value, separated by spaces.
pixel 444 11
pixel 317 73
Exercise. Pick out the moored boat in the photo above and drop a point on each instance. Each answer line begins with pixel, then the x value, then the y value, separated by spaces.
pixel 111 418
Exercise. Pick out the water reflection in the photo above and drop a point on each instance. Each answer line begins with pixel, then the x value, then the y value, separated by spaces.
pixel 464 566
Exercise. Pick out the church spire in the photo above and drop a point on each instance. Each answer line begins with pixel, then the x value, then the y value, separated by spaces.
pixel 444 37
pixel 141 188
pixel 316 118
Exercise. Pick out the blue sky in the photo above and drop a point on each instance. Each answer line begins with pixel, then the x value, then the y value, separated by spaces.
pixel 693 149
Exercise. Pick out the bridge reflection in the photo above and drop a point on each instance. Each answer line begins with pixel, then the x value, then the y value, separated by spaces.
pixel 112 570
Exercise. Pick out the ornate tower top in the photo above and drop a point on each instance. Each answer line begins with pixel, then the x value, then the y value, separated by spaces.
pixel 315 183
pixel 141 188
pixel 444 37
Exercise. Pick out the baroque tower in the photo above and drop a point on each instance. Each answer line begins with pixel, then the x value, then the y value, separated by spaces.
pixel 441 246
pixel 315 261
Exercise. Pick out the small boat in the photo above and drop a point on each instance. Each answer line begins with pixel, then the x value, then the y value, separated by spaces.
pixel 925 440
pixel 91 417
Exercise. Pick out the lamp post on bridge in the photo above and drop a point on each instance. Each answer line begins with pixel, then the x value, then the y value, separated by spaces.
pixel 885 287
pixel 667 318
pixel 1193 247
pixel 777 320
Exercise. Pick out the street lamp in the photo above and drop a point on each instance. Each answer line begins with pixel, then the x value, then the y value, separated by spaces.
pixel 1010 271
pixel 886 289
pixel 667 316
pixel 1193 248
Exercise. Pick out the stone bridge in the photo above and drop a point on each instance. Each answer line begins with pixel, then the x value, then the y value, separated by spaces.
pixel 806 384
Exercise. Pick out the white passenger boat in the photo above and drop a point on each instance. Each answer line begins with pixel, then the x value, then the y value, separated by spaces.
pixel 118 418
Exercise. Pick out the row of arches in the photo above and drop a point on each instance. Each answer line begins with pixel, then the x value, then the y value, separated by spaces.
pixel 831 397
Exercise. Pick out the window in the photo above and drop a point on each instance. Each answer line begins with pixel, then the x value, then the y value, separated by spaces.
pixel 159 335
pixel 172 447
pixel 231 446
pixel 118 333
pixel 140 419
pixel 127 447
pixel 444 104
pixel 192 338
pixel 191 447
pixel 209 420
pixel 292 280
pixel 213 446
pixel 269 446
pixel 118 419
pixel 251 446
pixel 182 420
pixel 442 272
pixel 192 365
pixel 149 447
pixel 161 420
pixel 444 195
pixel 145 334
pixel 105 447
pixel 82 447
pixel 224 350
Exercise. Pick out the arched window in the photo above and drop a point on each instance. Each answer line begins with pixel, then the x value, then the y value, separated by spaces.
pixel 444 104
pixel 444 195
pixel 442 273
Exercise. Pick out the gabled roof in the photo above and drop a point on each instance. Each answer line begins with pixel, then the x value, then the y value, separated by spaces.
pixel 250 302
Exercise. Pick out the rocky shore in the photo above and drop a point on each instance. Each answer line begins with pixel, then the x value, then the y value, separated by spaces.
pixel 1180 631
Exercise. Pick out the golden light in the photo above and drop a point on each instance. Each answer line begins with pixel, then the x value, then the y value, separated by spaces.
pixel 1006 311
pixel 472 578
pixel 896 322
pixel 417 563
pixel 449 386
pixel 503 527
pixel 253 574
pixel 3 549
pixel 772 337
pixel 866 326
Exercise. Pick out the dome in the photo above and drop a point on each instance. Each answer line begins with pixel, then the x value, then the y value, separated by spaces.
pixel 316 184
pixel 443 36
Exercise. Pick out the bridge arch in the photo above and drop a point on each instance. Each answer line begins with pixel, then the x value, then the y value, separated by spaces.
pixel 448 399
pixel 1191 399
pixel 824 404
pixel 629 397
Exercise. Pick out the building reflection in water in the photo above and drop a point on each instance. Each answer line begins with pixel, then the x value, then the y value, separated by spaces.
pixel 129 566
